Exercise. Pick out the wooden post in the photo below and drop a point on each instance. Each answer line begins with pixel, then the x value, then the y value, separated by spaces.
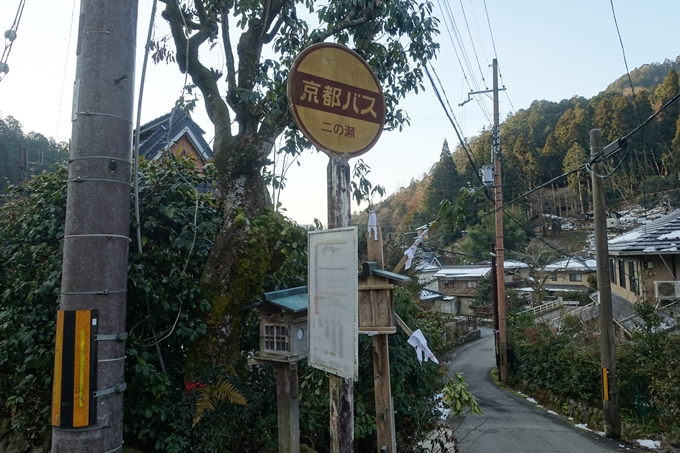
pixel 341 389
pixel 610 410
pixel 384 407
pixel 495 309
pixel 288 407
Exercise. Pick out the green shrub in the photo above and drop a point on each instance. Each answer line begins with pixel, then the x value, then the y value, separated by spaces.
pixel 568 365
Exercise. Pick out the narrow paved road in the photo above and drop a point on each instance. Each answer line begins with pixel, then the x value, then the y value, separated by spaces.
pixel 511 424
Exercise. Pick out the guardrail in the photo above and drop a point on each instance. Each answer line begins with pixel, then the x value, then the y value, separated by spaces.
pixel 544 308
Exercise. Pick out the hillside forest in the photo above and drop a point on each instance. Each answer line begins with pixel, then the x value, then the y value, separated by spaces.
pixel 541 143
pixel 41 152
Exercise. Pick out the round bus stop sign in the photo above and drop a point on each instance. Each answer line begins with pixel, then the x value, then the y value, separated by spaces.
pixel 336 100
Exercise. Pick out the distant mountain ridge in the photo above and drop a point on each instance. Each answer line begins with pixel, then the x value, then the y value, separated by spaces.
pixel 645 77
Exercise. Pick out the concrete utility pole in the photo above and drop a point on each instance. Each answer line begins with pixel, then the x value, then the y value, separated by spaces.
pixel 500 250
pixel 341 389
pixel 610 394
pixel 96 240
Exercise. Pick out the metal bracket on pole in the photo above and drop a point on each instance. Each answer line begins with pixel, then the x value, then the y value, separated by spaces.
pixel 111 337
pixel 120 388
pixel 477 92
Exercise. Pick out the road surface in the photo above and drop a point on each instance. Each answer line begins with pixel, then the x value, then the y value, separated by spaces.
pixel 511 424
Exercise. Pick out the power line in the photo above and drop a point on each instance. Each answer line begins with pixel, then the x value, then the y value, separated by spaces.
pixel 63 79
pixel 474 50
pixel 471 81
pixel 495 54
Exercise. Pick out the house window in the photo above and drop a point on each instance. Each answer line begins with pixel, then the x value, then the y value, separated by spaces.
pixel 575 278
pixel 471 284
pixel 632 277
pixel 553 276
pixel 612 270
pixel 622 274
pixel 448 283
pixel 276 338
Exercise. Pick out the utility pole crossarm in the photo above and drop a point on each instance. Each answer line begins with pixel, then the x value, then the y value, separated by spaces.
pixel 472 93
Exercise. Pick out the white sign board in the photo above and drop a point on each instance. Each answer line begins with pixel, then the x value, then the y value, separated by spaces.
pixel 333 302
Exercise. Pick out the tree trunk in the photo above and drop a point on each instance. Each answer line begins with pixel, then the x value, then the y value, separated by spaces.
pixel 242 252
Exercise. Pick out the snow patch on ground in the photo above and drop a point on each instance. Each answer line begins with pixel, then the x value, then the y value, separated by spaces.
pixel 653 444
pixel 442 407
pixel 553 412
pixel 531 400
pixel 583 426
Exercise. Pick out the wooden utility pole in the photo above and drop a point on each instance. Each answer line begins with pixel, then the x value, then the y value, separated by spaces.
pixel 96 236
pixel 500 250
pixel 610 395
pixel 495 307
pixel 341 389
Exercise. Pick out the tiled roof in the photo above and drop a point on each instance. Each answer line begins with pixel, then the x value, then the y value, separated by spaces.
pixel 463 272
pixel 154 136
pixel 658 236
pixel 428 294
pixel 573 264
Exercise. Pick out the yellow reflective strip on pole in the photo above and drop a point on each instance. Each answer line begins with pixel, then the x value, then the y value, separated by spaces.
pixel 605 383
pixel 81 370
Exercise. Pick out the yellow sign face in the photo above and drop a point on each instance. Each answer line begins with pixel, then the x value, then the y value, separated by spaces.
pixel 336 100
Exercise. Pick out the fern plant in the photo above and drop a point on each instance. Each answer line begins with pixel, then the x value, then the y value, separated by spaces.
pixel 212 395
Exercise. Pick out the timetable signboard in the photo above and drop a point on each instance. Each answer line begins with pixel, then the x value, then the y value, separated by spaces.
pixel 333 301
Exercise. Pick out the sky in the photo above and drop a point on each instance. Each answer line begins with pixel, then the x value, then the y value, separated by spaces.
pixel 546 49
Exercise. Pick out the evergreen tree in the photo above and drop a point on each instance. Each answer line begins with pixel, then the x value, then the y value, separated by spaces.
pixel 667 119
pixel 444 182
pixel 575 157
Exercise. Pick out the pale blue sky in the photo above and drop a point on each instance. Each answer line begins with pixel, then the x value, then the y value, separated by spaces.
pixel 546 49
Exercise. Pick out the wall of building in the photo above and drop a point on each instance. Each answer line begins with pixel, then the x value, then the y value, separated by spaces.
pixel 662 269
pixel 456 287
pixel 184 147
pixel 563 278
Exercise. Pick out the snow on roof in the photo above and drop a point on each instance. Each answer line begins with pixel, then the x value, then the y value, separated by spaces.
pixel 627 237
pixel 428 294
pixel 671 235
pixel 659 235
pixel 574 263
pixel 463 272
pixel 515 264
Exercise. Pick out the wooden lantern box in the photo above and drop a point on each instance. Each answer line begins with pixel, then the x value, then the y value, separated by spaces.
pixel 283 326
pixel 376 298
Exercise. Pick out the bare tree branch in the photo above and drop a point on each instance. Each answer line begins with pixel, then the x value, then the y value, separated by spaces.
pixel 229 55
pixel 188 62
pixel 348 22
pixel 272 34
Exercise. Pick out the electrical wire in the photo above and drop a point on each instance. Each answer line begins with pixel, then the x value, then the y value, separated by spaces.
pixel 138 128
pixel 10 37
pixel 486 10
pixel 460 52
pixel 472 42
pixel 63 79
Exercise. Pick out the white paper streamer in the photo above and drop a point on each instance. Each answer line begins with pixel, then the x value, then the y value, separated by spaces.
pixel 411 251
pixel 373 224
pixel 419 342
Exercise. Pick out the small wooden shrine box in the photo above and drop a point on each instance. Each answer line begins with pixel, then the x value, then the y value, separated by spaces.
pixel 283 326
pixel 376 298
